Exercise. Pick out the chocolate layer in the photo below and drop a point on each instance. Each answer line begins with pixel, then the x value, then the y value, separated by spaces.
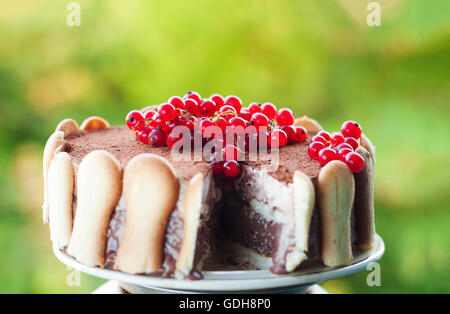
pixel 247 227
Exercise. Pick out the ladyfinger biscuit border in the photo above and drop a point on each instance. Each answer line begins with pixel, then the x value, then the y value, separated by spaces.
pixel 151 191
pixel 54 141
pixel 363 206
pixel 99 187
pixel 60 193
pixel 304 199
pixel 336 190
pixel 67 126
pixel 192 208
pixel 94 123
pixel 309 124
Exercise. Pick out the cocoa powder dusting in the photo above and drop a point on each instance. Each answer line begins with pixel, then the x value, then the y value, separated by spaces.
pixel 122 144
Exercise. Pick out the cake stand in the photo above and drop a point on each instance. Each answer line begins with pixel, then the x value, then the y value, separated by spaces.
pixel 245 281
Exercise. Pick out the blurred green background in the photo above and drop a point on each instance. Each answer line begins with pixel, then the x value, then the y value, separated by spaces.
pixel 318 57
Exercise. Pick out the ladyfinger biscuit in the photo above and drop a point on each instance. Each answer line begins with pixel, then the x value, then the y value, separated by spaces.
pixel 60 193
pixel 304 198
pixel 151 191
pixel 67 126
pixel 94 123
pixel 192 207
pixel 364 202
pixel 55 140
pixel 367 144
pixel 99 187
pixel 336 190
pixel 309 124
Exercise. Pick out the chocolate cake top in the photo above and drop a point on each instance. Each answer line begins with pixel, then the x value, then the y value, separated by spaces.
pixel 121 143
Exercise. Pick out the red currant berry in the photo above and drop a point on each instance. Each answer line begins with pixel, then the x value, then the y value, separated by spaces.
pixel 170 125
pixel 133 120
pixel 344 145
pixel 191 106
pixel 225 108
pixel 259 120
pixel 234 101
pixel 157 123
pixel 149 114
pixel 326 155
pixel 237 122
pixel 207 108
pixel 217 168
pixel 144 133
pixel 157 138
pixel 218 100
pixel 229 110
pixel 172 139
pixel 300 134
pixel 343 152
pixel 325 135
pixel 204 123
pixel 277 138
pixel 318 138
pixel 285 117
pixel 351 129
pixel 230 152
pixel 355 162
pixel 194 96
pixel 231 169
pixel 254 108
pixel 167 112
pixel 250 143
pixel 269 110
pixel 353 142
pixel 177 102
pixel 179 120
pixel 314 149
pixel 222 123
pixel 191 122
pixel 290 132
pixel 337 139
pixel 245 114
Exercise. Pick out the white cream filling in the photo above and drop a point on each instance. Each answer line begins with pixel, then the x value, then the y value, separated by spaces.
pixel 272 198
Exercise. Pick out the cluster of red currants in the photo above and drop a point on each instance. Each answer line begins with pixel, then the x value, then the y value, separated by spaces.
pixel 272 128
pixel 338 146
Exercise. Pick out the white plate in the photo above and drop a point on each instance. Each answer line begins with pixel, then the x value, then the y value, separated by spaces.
pixel 233 281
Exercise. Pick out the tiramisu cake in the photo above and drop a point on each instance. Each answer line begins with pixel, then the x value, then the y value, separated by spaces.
pixel 122 198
